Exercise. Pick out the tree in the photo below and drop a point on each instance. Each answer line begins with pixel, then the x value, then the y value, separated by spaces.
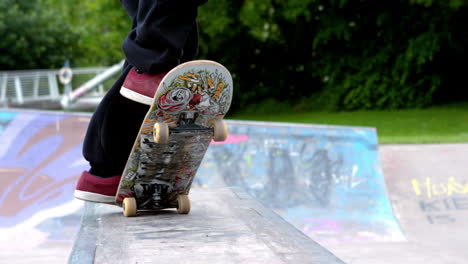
pixel 102 26
pixel 340 54
pixel 313 54
pixel 33 36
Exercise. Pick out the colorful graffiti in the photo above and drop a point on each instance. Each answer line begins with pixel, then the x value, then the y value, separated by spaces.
pixel 441 202
pixel 40 162
pixel 326 181
pixel 432 189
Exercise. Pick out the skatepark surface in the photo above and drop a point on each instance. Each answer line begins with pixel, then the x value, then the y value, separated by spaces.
pixel 272 193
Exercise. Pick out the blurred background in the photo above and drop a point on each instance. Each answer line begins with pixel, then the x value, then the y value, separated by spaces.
pixel 394 65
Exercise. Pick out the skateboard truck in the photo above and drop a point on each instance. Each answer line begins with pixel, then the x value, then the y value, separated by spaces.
pixel 187 122
pixel 188 117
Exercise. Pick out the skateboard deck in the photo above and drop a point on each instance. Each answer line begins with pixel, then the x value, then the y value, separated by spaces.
pixel 186 114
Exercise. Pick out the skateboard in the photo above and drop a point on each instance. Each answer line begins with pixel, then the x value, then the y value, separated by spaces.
pixel 186 115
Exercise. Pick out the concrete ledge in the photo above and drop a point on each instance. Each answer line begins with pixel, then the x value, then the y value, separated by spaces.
pixel 225 226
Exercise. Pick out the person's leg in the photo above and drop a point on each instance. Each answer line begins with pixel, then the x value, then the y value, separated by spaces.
pixel 109 139
pixel 112 131
pixel 164 35
pixel 115 124
pixel 157 42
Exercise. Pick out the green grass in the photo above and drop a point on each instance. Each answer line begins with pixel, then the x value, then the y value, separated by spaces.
pixel 442 124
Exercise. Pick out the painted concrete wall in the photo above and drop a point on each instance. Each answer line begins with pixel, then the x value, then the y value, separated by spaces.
pixel 40 162
pixel 326 181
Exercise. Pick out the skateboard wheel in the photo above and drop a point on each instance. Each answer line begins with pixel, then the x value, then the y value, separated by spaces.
pixel 220 130
pixel 183 204
pixel 161 133
pixel 129 206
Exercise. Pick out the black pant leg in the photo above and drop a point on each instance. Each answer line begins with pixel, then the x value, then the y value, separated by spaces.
pixel 112 131
pixel 162 30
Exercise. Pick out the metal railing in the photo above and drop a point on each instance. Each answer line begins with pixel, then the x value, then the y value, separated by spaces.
pixel 25 88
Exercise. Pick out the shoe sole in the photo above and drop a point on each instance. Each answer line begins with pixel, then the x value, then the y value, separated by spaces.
pixel 94 197
pixel 134 96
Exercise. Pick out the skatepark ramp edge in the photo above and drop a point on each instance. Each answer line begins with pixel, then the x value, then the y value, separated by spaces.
pixel 227 226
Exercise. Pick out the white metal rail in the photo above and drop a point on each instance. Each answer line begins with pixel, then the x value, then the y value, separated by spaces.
pixel 20 88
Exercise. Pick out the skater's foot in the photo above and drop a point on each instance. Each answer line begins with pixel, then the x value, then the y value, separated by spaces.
pixel 141 87
pixel 95 189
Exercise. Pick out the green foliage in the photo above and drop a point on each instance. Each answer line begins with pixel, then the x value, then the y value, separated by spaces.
pixel 33 36
pixel 44 33
pixel 255 11
pixel 387 67
pixel 341 54
pixel 313 54
pixel 102 26
pixel 445 3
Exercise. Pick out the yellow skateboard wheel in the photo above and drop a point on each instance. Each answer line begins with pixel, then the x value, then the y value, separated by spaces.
pixel 129 206
pixel 161 133
pixel 220 130
pixel 183 204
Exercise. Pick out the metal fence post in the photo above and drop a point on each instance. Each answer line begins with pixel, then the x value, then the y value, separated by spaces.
pixel 3 88
pixel 53 86
pixel 36 85
pixel 18 90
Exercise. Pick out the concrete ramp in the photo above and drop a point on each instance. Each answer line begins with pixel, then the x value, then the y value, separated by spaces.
pixel 40 161
pixel 226 226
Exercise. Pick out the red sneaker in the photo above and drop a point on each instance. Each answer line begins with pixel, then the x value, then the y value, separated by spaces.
pixel 94 189
pixel 141 87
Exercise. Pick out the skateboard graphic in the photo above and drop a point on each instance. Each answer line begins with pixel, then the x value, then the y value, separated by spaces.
pixel 186 114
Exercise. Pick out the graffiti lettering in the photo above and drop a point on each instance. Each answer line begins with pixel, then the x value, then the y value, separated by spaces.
pixel 431 189
pixel 445 206
pixel 460 203
pixel 429 206
pixel 441 219
pixel 455 203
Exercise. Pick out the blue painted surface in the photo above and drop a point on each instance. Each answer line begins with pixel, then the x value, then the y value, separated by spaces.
pixel 327 181
pixel 5 118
